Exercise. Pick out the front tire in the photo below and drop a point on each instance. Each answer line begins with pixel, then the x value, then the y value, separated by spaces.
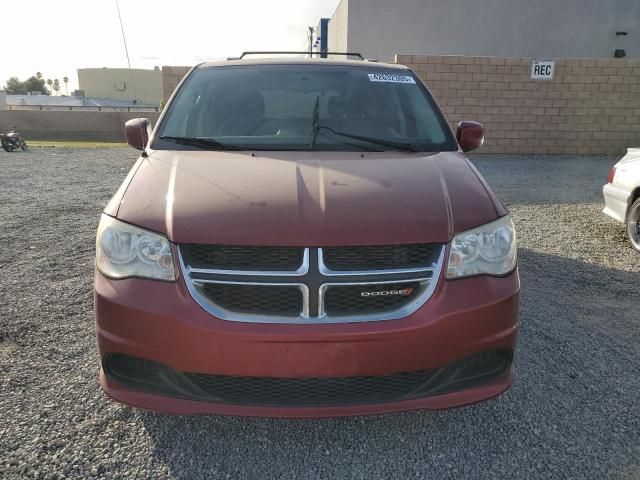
pixel 633 224
pixel 7 145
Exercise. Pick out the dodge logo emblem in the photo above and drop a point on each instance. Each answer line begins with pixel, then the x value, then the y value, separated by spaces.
pixel 403 292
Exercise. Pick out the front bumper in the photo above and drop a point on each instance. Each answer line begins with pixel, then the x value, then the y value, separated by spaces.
pixel 160 322
pixel 616 202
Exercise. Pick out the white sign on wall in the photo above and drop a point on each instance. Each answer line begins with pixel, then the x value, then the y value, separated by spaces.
pixel 542 70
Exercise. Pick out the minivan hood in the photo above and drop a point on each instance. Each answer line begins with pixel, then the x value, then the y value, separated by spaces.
pixel 304 198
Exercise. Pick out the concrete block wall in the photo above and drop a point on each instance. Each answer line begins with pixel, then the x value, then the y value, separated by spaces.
pixel 592 106
pixel 89 126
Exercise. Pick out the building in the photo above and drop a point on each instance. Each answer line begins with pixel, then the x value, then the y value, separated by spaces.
pixel 135 85
pixel 321 37
pixel 542 76
pixel 500 28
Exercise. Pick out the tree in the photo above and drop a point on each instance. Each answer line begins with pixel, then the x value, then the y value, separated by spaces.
pixel 50 83
pixel 66 84
pixel 15 86
pixel 39 75
pixel 56 86
pixel 34 84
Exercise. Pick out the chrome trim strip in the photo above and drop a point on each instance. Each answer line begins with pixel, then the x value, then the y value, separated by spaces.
pixel 326 271
pixel 302 270
pixel 225 314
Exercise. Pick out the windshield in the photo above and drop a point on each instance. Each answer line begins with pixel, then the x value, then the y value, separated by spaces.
pixel 303 107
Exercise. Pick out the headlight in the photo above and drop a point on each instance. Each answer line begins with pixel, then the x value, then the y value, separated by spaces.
pixel 123 250
pixel 489 249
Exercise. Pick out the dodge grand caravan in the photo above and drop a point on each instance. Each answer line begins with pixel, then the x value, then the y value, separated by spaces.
pixel 304 237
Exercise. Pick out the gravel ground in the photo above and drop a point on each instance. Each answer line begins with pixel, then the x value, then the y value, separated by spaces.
pixel 572 413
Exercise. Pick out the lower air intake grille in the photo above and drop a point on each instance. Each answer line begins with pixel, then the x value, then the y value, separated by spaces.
pixel 303 391
pixel 231 257
pixel 280 300
pixel 154 377
pixel 382 257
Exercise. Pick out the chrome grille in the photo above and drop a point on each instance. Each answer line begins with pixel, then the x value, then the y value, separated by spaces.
pixel 380 257
pixel 233 257
pixel 359 299
pixel 311 292
pixel 255 299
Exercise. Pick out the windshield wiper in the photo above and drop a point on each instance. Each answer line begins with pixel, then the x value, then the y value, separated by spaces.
pixel 377 141
pixel 206 143
pixel 315 123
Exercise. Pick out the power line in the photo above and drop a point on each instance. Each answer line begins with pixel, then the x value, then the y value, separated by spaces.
pixel 126 51
pixel 124 38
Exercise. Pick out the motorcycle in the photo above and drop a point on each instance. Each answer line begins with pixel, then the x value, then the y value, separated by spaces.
pixel 12 140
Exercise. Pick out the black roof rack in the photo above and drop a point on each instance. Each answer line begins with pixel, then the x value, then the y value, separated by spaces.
pixel 342 54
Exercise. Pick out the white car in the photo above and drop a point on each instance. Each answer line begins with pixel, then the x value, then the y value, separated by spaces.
pixel 622 194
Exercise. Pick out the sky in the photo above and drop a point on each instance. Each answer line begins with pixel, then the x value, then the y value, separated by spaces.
pixel 58 38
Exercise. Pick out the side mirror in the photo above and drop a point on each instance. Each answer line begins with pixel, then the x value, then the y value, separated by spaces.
pixel 137 132
pixel 470 135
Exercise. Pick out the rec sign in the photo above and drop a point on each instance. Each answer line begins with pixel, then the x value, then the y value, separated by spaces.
pixel 542 70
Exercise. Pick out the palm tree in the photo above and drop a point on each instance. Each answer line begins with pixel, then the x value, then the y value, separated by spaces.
pixel 66 84
pixel 50 83
pixel 56 86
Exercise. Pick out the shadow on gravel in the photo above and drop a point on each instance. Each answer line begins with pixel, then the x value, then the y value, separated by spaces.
pixel 556 178
pixel 571 412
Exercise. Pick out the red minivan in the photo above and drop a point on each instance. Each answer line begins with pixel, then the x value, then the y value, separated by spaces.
pixel 304 237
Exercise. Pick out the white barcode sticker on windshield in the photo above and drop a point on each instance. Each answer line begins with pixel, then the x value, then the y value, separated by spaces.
pixel 385 77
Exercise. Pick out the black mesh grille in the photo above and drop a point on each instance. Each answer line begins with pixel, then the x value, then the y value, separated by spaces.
pixel 364 299
pixel 305 391
pixel 146 375
pixel 231 257
pixel 380 257
pixel 255 299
